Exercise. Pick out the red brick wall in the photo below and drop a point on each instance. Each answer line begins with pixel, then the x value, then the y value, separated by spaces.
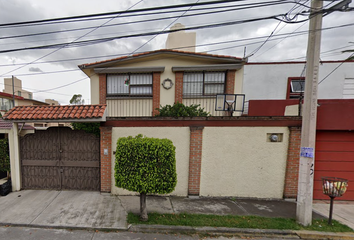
pixel 178 87
pixel 156 79
pixel 106 160
pixel 230 81
pixel 195 160
pixel 292 168
pixel 103 88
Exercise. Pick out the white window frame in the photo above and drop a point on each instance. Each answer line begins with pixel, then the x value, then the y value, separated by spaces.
pixel 205 80
pixel 130 85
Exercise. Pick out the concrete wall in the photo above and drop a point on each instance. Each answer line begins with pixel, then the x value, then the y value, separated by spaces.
pixel 269 81
pixel 236 161
pixel 242 162
pixel 180 138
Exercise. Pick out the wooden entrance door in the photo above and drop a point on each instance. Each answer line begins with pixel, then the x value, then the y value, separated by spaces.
pixel 60 158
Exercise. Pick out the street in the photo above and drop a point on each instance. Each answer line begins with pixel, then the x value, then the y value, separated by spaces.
pixel 24 233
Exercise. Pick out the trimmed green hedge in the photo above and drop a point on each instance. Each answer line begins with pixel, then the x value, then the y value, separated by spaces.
pixel 4 155
pixel 145 165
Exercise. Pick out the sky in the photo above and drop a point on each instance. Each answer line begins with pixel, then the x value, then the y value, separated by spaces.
pixel 53 73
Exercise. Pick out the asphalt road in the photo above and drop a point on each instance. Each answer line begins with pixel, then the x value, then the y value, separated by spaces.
pixel 24 233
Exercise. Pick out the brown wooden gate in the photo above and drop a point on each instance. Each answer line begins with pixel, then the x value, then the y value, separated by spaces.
pixel 60 158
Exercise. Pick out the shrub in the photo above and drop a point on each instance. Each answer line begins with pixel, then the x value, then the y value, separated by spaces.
pixel 180 110
pixel 145 165
pixel 4 155
pixel 87 127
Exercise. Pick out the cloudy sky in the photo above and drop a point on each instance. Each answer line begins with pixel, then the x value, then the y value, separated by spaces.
pixel 247 29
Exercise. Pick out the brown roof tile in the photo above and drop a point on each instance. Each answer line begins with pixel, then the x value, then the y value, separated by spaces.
pixel 55 112
pixel 160 51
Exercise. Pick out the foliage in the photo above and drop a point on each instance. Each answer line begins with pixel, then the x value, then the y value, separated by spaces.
pixel 87 127
pixel 4 155
pixel 145 165
pixel 231 221
pixel 77 100
pixel 180 110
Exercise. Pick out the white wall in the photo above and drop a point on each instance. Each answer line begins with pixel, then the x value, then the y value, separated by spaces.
pixel 242 162
pixel 180 138
pixel 236 161
pixel 269 81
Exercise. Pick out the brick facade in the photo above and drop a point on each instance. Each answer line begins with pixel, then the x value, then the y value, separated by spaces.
pixel 195 160
pixel 103 88
pixel 230 82
pixel 106 160
pixel 156 79
pixel 292 167
pixel 178 87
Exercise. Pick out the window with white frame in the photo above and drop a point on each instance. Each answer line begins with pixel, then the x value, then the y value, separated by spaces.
pixel 199 84
pixel 296 87
pixel 129 85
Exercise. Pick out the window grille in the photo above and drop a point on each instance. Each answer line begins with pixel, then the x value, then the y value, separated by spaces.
pixel 129 85
pixel 199 84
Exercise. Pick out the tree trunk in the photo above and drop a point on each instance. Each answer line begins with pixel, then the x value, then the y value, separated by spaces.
pixel 143 211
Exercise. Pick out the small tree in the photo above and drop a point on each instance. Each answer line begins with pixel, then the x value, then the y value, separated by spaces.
pixel 145 165
pixel 77 100
pixel 4 156
pixel 180 110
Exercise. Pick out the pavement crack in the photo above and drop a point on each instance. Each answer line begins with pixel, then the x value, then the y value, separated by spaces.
pixel 173 209
pixel 241 207
pixel 45 207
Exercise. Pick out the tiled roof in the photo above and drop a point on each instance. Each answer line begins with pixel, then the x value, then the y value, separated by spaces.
pixel 53 112
pixel 8 125
pixel 161 51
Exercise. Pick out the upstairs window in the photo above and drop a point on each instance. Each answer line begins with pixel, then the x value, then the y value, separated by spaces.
pixel 296 87
pixel 199 84
pixel 129 85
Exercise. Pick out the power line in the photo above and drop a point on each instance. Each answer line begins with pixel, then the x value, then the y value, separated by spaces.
pixel 65 19
pixel 289 34
pixel 146 20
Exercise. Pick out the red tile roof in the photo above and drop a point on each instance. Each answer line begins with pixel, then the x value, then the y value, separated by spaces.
pixel 54 112
pixel 161 51
pixel 2 94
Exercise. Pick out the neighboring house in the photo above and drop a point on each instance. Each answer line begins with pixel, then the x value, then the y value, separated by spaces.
pixel 136 85
pixel 285 80
pixel 24 98
pixel 274 89
pixel 6 102
pixel 17 89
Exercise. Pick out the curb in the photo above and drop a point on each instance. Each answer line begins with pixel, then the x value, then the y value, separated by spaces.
pixel 325 235
pixel 107 229
pixel 242 232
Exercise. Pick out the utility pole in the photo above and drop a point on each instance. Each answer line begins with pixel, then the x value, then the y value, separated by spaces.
pixel 13 91
pixel 308 130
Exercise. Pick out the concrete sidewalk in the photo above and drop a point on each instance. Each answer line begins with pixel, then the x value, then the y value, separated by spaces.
pixel 93 210
pixel 63 209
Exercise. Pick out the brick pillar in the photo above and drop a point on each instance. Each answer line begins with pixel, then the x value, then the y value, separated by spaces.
pixel 103 88
pixel 230 82
pixel 156 79
pixel 106 160
pixel 195 159
pixel 178 87
pixel 292 166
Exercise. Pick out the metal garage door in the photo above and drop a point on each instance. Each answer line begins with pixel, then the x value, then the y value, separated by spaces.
pixel 334 158
pixel 60 158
